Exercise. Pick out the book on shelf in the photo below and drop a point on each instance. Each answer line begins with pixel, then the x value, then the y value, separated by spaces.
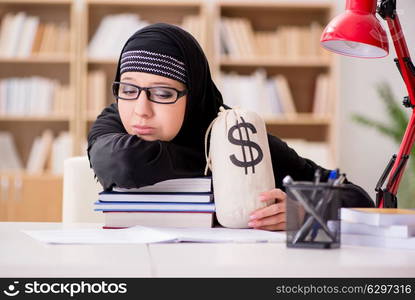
pixel 273 97
pixel 229 39
pixel 195 26
pixel 287 100
pixel 314 40
pixel 159 219
pixel 177 185
pixel 4 26
pixel 321 101
pixel 249 36
pixel 46 45
pixel 241 28
pixel 46 153
pixel 37 42
pixel 28 33
pixel 154 207
pixel 111 34
pixel 54 38
pixel 379 216
pixel 12 33
pixel 290 41
pixel 10 159
pixel 40 152
pixel 392 231
pixel 22 35
pixel 96 95
pixel 262 41
pixel 268 97
pixel 62 97
pixel 61 150
pixel 63 38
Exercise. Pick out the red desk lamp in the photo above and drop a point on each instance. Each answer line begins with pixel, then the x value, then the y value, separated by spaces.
pixel 357 32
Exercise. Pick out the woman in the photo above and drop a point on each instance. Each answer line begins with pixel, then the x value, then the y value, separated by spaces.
pixel 155 131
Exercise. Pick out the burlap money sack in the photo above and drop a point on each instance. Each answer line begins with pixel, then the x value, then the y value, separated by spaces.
pixel 240 161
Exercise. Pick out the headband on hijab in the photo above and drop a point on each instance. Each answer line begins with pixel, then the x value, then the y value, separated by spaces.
pixel 167 50
pixel 152 62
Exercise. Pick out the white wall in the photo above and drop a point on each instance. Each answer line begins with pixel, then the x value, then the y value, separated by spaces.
pixel 363 153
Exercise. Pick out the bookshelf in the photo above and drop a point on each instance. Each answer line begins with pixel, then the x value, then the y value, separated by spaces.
pixel 79 68
pixel 37 196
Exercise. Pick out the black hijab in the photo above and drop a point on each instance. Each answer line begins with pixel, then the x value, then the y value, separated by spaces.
pixel 203 98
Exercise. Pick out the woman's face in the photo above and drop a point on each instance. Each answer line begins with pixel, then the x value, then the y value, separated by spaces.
pixel 149 120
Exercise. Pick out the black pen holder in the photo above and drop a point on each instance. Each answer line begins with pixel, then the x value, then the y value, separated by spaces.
pixel 313 215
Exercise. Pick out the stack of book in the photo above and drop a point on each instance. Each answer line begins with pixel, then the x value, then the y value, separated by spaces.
pixel 322 103
pixel 378 227
pixel 184 202
pixel 96 95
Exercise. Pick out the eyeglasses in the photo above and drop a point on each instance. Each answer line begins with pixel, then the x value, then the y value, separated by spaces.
pixel 157 94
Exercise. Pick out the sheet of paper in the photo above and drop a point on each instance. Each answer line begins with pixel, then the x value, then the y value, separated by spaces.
pixel 132 235
pixel 142 235
pixel 224 235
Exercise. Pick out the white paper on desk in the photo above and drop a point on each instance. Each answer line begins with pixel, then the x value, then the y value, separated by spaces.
pixel 223 235
pixel 141 235
pixel 101 236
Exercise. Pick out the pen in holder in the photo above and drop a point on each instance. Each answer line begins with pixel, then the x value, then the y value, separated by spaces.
pixel 313 213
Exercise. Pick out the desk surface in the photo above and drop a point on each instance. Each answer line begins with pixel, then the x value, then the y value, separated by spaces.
pixel 22 256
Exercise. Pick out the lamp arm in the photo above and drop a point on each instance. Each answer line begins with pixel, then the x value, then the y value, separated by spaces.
pixel 387 196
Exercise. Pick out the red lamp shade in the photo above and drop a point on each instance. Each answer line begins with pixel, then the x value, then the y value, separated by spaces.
pixel 357 32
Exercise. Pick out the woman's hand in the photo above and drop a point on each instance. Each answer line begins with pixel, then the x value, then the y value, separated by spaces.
pixel 271 217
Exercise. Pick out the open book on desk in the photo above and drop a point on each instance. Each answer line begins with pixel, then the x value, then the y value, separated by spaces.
pixel 143 235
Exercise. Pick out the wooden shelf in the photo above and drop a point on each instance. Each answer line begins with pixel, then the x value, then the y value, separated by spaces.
pixel 37 2
pixel 270 4
pixel 299 119
pixel 38 199
pixel 103 61
pixel 270 62
pixel 34 119
pixel 186 3
pixel 36 59
pixel 23 172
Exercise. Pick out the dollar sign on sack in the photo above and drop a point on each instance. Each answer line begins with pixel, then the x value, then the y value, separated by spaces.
pixel 245 143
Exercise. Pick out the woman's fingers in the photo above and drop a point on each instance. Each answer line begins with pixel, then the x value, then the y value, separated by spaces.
pixel 273 209
pixel 279 226
pixel 271 217
pixel 271 220
pixel 274 194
